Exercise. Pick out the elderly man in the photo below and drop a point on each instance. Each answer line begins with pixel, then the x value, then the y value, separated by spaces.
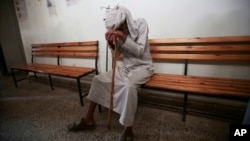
pixel 131 37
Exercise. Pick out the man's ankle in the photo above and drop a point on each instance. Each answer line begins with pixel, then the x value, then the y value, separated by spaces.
pixel 128 131
pixel 88 121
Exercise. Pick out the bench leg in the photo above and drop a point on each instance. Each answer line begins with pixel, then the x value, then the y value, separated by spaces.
pixel 51 83
pixel 81 96
pixel 80 91
pixel 14 77
pixel 184 107
pixel 35 75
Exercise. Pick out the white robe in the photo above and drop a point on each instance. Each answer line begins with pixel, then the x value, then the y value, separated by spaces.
pixel 125 92
pixel 136 69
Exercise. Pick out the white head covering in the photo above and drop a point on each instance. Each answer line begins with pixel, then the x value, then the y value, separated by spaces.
pixel 117 16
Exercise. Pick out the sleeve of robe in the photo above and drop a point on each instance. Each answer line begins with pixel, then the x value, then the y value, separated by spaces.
pixel 137 47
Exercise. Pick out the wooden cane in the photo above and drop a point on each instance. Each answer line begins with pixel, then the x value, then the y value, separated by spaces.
pixel 112 87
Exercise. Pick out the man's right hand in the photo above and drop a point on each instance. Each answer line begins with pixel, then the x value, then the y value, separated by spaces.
pixel 111 37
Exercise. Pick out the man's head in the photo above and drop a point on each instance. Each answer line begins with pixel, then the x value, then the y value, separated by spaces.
pixel 115 18
pixel 119 18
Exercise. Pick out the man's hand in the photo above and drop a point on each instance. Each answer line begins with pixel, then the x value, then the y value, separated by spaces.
pixel 113 35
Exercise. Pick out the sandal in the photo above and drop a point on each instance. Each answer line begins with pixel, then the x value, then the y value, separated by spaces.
pixel 80 126
pixel 123 137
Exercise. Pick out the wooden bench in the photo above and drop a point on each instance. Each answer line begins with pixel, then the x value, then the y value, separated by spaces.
pixel 229 49
pixel 59 51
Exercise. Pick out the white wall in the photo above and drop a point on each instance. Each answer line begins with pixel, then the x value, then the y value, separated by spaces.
pixel 166 19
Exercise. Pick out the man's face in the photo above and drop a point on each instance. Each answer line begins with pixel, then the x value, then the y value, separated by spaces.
pixel 124 28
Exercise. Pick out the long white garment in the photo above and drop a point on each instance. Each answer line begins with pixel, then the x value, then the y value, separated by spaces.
pixel 136 69
pixel 125 92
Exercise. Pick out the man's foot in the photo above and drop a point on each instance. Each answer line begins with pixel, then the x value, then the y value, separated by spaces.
pixel 80 126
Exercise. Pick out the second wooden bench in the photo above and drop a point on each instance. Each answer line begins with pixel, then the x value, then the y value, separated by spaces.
pixel 226 50
pixel 58 51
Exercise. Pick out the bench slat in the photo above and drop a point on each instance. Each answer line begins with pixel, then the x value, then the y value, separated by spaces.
pixel 198 90
pixel 199 48
pixel 205 78
pixel 203 81
pixel 86 43
pixel 85 48
pixel 215 85
pixel 225 39
pixel 198 81
pixel 44 54
pixel 56 49
pixel 245 57
pixel 64 54
pixel 77 54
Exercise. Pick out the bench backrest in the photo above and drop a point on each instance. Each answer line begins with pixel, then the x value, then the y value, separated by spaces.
pixel 227 48
pixel 205 48
pixel 87 49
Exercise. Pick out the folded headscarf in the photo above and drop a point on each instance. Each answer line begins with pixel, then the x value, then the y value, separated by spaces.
pixel 117 16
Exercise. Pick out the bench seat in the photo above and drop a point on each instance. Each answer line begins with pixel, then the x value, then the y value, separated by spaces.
pixel 200 85
pixel 67 71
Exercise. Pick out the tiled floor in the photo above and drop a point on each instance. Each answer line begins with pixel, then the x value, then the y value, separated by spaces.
pixel 32 112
